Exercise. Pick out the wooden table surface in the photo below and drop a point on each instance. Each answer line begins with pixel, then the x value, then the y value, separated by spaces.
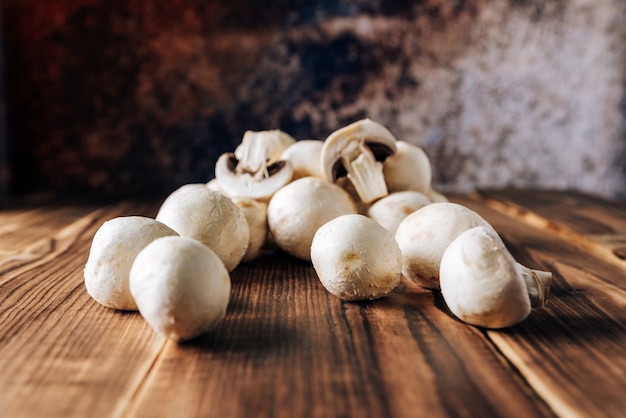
pixel 287 348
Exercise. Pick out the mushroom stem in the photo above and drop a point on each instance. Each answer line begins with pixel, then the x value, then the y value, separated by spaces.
pixel 251 157
pixel 538 283
pixel 365 173
pixel 259 150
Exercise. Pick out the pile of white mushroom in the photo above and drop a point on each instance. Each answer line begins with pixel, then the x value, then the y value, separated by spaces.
pixel 359 206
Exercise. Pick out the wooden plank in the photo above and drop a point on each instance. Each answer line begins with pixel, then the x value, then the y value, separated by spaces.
pixel 593 223
pixel 288 348
pixel 19 229
pixel 573 351
pixel 61 353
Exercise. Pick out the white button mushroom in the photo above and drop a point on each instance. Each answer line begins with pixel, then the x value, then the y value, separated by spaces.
pixel 356 151
pixel 297 210
pixel 255 169
pixel 195 211
pixel 480 281
pixel 424 235
pixel 407 169
pixel 255 213
pixel 213 184
pixel 113 250
pixel 435 196
pixel 392 209
pixel 305 156
pixel 356 258
pixel 181 287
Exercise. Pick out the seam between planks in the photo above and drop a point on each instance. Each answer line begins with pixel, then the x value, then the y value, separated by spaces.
pixel 528 382
pixel 127 409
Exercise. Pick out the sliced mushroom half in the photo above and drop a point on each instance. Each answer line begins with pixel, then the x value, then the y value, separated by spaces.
pixel 259 149
pixel 255 170
pixel 260 185
pixel 357 151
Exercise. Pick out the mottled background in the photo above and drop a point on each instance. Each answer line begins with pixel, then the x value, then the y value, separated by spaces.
pixel 125 97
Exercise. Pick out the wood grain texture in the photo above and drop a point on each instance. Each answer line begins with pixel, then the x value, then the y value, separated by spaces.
pixel 595 224
pixel 287 348
pixel 573 350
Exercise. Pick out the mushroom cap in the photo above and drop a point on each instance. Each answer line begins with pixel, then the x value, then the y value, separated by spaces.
pixel 435 196
pixel 374 135
pixel 210 217
pixel 297 210
pixel 480 281
pixel 356 258
pixel 255 213
pixel 390 210
pixel 251 185
pixel 424 235
pixel 113 250
pixel 213 184
pixel 408 169
pixel 305 156
pixel 181 287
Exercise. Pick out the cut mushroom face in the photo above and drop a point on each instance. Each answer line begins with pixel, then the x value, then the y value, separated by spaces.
pixel 260 149
pixel 255 170
pixel 481 282
pixel 357 151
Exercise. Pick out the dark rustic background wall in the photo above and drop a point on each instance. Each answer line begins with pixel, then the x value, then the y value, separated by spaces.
pixel 124 97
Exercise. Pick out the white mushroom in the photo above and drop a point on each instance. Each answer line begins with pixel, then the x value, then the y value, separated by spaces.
pixel 113 249
pixel 392 209
pixel 435 196
pixel 297 210
pixel 255 213
pixel 259 149
pixel 482 284
pixel 305 156
pixel 213 184
pixel 356 258
pixel 210 217
pixel 181 287
pixel 357 151
pixel 407 169
pixel 255 169
pixel 424 235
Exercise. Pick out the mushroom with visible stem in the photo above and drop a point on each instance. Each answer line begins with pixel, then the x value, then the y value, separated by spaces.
pixel 181 287
pixel 356 258
pixel 296 211
pixel 424 235
pixel 113 250
pixel 390 210
pixel 304 156
pixel 195 211
pixel 255 169
pixel 483 285
pixel 357 151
